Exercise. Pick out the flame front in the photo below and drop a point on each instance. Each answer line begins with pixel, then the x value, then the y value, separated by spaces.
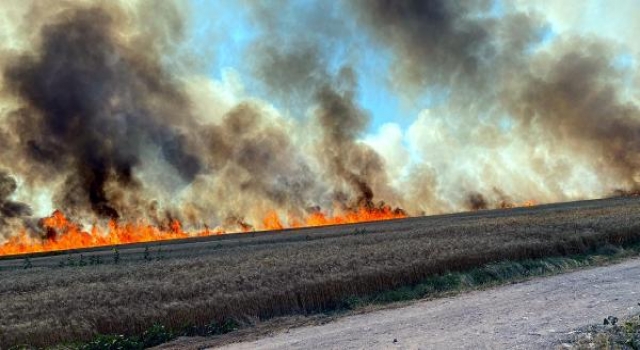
pixel 60 233
pixel 526 204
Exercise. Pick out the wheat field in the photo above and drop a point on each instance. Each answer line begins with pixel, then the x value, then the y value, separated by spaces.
pixel 65 298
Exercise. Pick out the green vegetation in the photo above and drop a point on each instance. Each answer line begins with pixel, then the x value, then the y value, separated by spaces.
pixel 92 260
pixel 314 271
pixel 360 231
pixel 27 263
pixel 493 274
pixel 155 335
pixel 489 275
pixel 146 254
pixel 89 260
pixel 610 335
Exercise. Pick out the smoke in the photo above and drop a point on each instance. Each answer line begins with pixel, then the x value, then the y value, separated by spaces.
pixel 574 96
pixel 104 108
pixel 10 211
pixel 524 117
pixel 90 100
pixel 253 166
pixel 300 68
pixel 436 42
pixel 476 201
pixel 341 121
pixel 452 45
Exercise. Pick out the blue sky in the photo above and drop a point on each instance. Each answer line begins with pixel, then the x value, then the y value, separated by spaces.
pixel 227 26
pixel 223 30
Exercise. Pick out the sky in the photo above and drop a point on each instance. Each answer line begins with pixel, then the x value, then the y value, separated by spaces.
pixel 414 129
pixel 223 31
pixel 228 24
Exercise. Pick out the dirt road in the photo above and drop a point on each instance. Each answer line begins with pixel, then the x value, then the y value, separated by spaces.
pixel 532 315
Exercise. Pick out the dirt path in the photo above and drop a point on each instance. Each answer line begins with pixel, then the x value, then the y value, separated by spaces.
pixel 532 315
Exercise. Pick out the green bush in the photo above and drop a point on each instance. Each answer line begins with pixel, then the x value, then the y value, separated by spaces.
pixel 155 335
pixel 113 342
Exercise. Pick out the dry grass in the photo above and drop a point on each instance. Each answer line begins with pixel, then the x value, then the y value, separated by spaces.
pixel 42 306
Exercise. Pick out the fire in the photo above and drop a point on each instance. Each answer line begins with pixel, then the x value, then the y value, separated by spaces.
pixel 272 220
pixel 508 205
pixel 61 233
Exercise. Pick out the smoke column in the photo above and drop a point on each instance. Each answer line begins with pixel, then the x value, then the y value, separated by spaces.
pixel 105 115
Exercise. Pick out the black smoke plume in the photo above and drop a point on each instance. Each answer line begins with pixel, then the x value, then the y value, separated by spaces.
pixel 91 101
pixel 10 210
pixel 567 96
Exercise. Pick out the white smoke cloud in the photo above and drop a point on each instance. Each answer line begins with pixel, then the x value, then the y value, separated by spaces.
pixel 388 143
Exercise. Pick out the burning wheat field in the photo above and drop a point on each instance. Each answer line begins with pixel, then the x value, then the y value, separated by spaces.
pixel 193 122
pixel 114 129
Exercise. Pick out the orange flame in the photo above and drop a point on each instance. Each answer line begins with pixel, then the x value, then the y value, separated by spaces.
pixel 272 220
pixel 526 204
pixel 63 234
